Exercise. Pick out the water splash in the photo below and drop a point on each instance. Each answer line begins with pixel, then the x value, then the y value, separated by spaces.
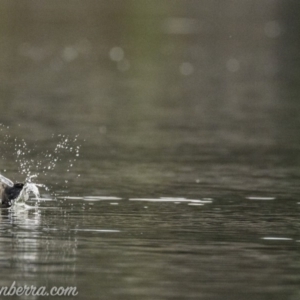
pixel 29 188
pixel 33 163
pixel 48 160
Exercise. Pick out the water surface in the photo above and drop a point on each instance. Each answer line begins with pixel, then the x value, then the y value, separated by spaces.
pixel 185 113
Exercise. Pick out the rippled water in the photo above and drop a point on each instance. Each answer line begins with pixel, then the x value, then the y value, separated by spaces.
pixel 180 175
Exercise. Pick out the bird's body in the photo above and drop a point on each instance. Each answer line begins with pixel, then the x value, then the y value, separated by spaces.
pixel 8 194
pixel 9 191
pixel 17 192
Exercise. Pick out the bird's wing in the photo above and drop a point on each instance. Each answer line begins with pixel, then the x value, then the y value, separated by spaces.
pixel 6 181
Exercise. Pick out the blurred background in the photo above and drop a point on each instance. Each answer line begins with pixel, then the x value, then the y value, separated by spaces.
pixel 181 98
pixel 158 91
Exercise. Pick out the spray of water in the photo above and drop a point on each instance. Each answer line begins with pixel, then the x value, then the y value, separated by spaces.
pixel 29 188
pixel 43 163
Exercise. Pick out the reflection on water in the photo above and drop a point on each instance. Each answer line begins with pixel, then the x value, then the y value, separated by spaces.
pixel 160 249
pixel 186 115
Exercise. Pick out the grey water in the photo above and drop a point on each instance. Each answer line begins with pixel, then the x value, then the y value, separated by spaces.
pixel 180 175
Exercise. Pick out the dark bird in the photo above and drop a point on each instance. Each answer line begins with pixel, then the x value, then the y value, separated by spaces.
pixel 9 191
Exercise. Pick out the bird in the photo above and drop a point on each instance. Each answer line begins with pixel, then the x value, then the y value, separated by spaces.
pixel 9 191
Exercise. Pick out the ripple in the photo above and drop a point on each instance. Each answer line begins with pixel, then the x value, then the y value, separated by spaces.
pixel 260 198
pixel 273 238
pixel 91 198
pixel 96 230
pixel 99 198
pixel 171 199
pixel 42 199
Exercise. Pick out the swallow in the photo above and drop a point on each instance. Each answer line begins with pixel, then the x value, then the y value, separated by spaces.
pixel 9 191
